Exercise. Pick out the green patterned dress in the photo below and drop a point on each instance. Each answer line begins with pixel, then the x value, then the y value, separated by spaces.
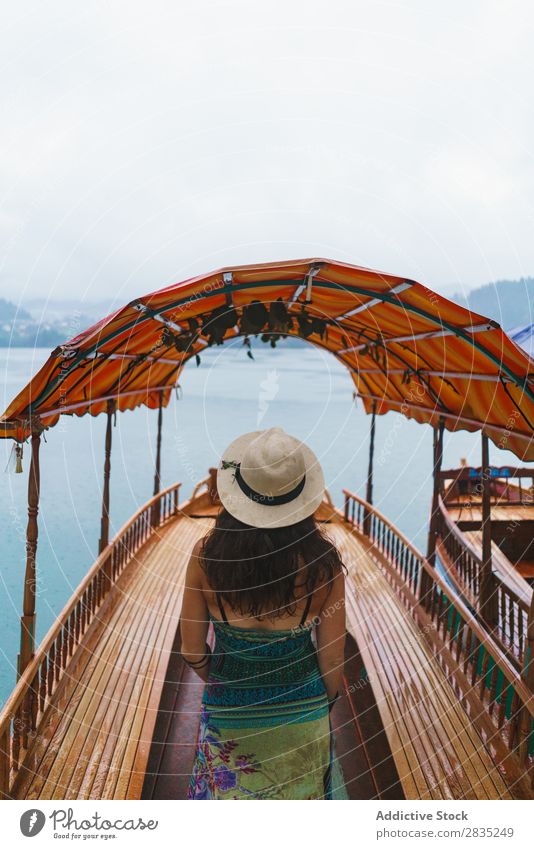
pixel 264 725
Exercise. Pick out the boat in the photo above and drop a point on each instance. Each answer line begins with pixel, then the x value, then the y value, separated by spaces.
pixel 434 705
pixel 472 529
pixel 511 502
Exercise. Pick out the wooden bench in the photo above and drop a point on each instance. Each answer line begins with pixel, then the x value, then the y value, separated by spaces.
pixel 437 750
pixel 502 567
pixel 95 737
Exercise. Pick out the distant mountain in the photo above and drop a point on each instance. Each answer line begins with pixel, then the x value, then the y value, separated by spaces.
pixel 46 324
pixel 40 328
pixel 70 309
pixel 10 311
pixel 510 302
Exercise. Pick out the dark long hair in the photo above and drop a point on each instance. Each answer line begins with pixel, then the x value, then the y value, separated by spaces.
pixel 256 570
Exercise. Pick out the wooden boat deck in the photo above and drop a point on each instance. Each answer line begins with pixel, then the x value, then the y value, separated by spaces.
pixel 95 738
pixel 438 752
pixel 362 747
pixel 467 513
pixel 501 511
pixel 511 575
pixel 125 714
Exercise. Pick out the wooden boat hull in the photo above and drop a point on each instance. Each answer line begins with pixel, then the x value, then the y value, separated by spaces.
pixel 115 714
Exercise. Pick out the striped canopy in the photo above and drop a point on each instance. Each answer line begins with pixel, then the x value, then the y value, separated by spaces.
pixel 407 348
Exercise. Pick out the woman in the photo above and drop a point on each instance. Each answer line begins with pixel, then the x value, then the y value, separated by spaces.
pixel 267 578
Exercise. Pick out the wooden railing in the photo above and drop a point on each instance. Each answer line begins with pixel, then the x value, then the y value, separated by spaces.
pixel 30 698
pixel 492 688
pixel 386 538
pixel 503 489
pixel 203 484
pixel 510 630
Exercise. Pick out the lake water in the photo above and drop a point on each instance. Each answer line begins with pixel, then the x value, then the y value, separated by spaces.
pixel 304 390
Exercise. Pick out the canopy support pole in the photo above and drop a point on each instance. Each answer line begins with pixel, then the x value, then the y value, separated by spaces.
pixel 157 472
pixel 369 492
pixel 433 525
pixel 434 514
pixel 528 671
pixel 27 622
pixel 488 596
pixel 104 521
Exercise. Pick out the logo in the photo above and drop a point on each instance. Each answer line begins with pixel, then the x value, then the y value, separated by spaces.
pixel 269 389
pixel 32 822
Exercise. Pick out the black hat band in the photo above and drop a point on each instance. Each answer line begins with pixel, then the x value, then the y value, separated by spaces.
pixel 267 500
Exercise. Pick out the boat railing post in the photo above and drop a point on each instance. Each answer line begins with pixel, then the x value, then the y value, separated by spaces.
pixel 27 622
pixel 528 668
pixel 107 574
pixel 5 766
pixel 369 492
pixel 156 508
pixel 437 449
pixel 104 521
pixel 488 590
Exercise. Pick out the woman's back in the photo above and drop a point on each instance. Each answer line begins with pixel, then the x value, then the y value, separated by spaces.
pixel 306 605
pixel 264 730
pixel 273 597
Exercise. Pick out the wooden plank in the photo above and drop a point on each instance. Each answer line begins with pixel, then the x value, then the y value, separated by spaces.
pixel 412 763
pixel 363 750
pixel 111 725
pixel 503 567
pixel 113 700
pixel 90 688
pixel 60 751
pixel 398 722
pixel 138 741
pixel 437 715
pixel 414 784
pixel 59 713
pixel 135 766
pixel 436 712
pixel 454 709
pixel 95 738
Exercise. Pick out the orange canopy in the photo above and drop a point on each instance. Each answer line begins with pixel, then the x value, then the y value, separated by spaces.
pixel 408 349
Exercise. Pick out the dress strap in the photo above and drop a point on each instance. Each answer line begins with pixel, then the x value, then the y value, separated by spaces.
pixel 221 608
pixel 306 610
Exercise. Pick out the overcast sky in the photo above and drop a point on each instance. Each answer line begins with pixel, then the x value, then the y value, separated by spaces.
pixel 142 143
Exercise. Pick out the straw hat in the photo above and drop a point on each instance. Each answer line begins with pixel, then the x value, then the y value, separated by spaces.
pixel 269 479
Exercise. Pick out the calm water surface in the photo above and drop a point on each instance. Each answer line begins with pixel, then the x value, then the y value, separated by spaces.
pixel 304 390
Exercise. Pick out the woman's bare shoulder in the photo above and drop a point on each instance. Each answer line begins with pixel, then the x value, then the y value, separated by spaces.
pixel 197 548
pixel 195 572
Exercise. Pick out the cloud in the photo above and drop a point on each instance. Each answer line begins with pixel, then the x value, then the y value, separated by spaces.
pixel 144 144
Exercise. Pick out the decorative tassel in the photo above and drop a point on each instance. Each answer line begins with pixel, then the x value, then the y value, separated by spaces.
pixel 18 462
